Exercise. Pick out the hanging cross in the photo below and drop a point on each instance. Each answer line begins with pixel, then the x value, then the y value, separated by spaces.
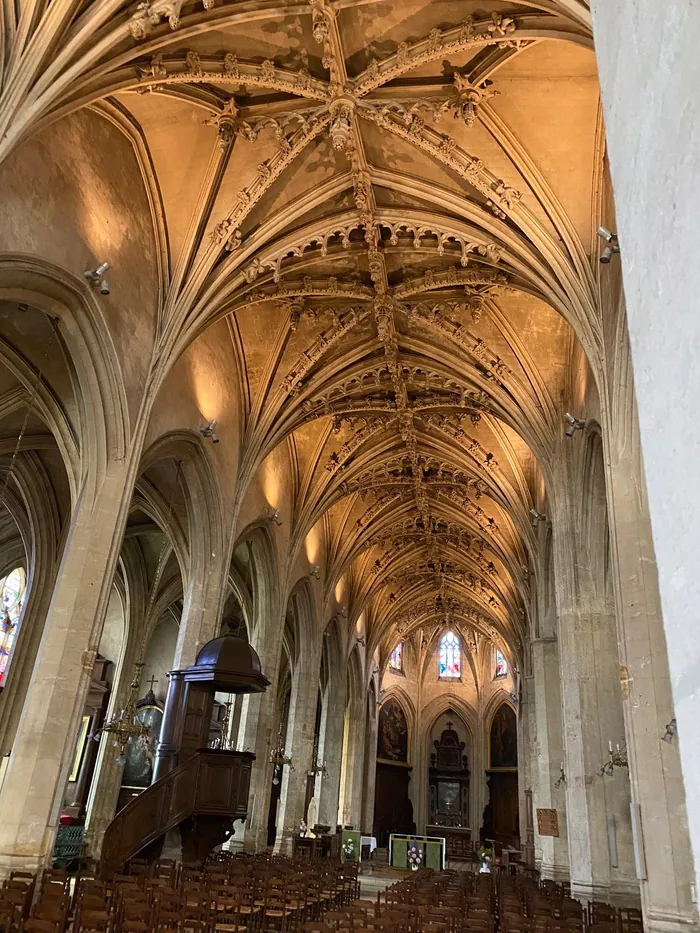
pixel 151 682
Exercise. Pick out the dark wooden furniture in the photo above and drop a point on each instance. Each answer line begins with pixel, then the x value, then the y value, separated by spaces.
pixel 202 790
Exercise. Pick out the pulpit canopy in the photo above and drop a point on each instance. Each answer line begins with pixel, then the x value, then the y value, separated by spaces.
pixel 230 664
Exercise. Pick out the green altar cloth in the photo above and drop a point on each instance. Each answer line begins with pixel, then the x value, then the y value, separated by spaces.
pixel 431 848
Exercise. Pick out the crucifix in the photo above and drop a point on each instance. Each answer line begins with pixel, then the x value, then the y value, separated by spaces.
pixel 449 723
pixel 151 682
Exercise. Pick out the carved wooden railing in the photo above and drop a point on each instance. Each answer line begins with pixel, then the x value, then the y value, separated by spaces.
pixel 210 783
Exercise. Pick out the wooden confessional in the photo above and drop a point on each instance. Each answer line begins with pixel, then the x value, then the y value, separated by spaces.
pixel 201 790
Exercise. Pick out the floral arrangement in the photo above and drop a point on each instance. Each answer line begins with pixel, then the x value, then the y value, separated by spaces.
pixel 303 828
pixel 485 858
pixel 349 849
pixel 414 858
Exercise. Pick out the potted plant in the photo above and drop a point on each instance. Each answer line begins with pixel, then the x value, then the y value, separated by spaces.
pixel 414 858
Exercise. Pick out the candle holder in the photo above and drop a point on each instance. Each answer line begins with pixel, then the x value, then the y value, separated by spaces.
pixel 617 759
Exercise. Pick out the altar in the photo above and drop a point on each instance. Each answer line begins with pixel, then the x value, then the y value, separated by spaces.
pixel 431 849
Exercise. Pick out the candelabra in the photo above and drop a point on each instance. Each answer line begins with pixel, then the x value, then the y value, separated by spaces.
pixel 617 759
pixel 223 740
pixel 126 727
pixel 279 759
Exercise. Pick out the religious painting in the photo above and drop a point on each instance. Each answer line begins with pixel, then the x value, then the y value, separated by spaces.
pixel 80 746
pixel 448 794
pixel 140 755
pixel 392 738
pixel 504 738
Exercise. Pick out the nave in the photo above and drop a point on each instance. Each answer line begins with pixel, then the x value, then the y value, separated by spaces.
pixel 346 450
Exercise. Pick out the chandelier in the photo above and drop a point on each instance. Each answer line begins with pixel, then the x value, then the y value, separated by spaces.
pixel 278 758
pixel 126 728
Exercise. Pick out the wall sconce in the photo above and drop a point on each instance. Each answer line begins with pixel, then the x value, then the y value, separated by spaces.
pixel 536 517
pixel 572 424
pixel 315 571
pixel 360 640
pixel 273 515
pixel 617 759
pixel 95 277
pixel 562 776
pixel 207 430
pixel 671 731
pixel 613 247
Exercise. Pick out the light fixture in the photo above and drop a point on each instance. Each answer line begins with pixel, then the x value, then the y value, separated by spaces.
pixel 315 571
pixel 279 758
pixel 360 640
pixel 208 430
pixel 671 731
pixel 95 277
pixel 223 740
pixel 562 775
pixel 536 517
pixel 617 759
pixel 573 424
pixel 613 246
pixel 126 728
pixel 273 515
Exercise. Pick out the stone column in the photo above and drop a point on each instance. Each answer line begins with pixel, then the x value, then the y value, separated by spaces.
pixel 648 59
pixel 41 755
pixel 370 774
pixel 257 732
pixel 552 853
pixel 591 705
pixel 353 764
pixel 658 794
pixel 299 746
pixel 331 751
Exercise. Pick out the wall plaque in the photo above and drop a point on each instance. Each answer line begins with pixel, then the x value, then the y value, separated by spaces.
pixel 547 823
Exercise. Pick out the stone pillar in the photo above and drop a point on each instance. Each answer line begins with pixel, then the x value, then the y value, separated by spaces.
pixel 257 732
pixel 647 59
pixel 370 773
pixel 41 755
pixel 656 781
pixel 353 764
pixel 299 746
pixel 331 751
pixel 107 778
pixel 547 754
pixel 591 704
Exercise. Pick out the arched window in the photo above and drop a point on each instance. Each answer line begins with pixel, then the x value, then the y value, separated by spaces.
pixel 396 659
pixel 501 665
pixel 450 656
pixel 12 588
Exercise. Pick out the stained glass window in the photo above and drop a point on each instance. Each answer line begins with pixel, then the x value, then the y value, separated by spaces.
pixel 12 589
pixel 396 659
pixel 501 665
pixel 450 656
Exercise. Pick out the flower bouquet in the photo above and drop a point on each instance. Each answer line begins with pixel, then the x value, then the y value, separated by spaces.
pixel 485 858
pixel 303 828
pixel 349 850
pixel 414 858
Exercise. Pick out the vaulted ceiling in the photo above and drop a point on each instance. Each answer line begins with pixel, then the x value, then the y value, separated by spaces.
pixel 393 202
